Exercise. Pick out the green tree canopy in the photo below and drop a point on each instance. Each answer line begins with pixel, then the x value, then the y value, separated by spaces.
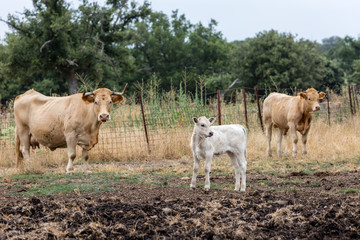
pixel 175 49
pixel 273 59
pixel 55 42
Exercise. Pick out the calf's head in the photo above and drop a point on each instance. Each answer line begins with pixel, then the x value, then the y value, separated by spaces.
pixel 102 99
pixel 202 126
pixel 312 98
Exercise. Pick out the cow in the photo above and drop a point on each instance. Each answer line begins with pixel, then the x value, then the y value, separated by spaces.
pixel 61 122
pixel 207 141
pixel 290 113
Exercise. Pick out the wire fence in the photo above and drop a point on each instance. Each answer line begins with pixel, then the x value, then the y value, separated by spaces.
pixel 146 130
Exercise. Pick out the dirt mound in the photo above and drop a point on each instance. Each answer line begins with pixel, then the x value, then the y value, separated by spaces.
pixel 138 211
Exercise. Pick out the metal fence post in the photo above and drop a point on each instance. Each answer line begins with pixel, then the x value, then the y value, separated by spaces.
pixel 328 105
pixel 144 122
pixel 246 118
pixel 350 100
pixel 259 109
pixel 219 106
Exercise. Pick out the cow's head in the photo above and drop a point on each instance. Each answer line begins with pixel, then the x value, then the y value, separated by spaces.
pixel 312 98
pixel 202 126
pixel 102 99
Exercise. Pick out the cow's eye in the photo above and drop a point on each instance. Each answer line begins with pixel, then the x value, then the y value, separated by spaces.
pixel 309 99
pixel 202 125
pixel 110 102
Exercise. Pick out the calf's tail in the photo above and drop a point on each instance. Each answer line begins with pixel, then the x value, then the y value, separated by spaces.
pixel 19 155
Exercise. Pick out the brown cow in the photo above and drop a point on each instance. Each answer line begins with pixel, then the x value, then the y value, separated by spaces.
pixel 60 122
pixel 290 114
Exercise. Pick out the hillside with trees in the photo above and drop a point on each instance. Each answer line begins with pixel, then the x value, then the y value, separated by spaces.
pixel 53 46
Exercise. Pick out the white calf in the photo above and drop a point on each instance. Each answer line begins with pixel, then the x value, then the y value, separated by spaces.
pixel 207 141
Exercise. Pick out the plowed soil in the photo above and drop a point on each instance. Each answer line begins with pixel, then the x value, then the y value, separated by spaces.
pixel 293 206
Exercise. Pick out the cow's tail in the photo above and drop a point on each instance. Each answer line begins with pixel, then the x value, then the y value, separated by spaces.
pixel 19 155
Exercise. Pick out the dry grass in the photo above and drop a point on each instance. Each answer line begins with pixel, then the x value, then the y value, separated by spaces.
pixel 330 148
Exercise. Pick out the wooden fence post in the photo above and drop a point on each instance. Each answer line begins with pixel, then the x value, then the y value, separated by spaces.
pixel 356 102
pixel 233 98
pixel 350 100
pixel 246 118
pixel 259 109
pixel 219 106
pixel 328 105
pixel 144 122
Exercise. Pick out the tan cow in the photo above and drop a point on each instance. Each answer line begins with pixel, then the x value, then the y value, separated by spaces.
pixel 60 122
pixel 290 114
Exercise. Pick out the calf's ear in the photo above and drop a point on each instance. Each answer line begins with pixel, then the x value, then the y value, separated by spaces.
pixel 303 95
pixel 195 119
pixel 212 120
pixel 321 95
pixel 88 97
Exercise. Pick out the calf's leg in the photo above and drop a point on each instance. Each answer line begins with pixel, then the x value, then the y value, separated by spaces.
pixel 236 163
pixel 195 172
pixel 207 172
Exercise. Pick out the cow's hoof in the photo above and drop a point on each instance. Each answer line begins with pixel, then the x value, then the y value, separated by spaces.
pixel 206 190
pixel 242 190
pixel 192 188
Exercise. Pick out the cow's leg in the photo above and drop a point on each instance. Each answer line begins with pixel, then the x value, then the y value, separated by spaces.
pixel 279 141
pixel 207 171
pixel 195 172
pixel 71 146
pixel 24 146
pixel 85 158
pixel 236 163
pixel 268 129
pixel 292 130
pixel 304 140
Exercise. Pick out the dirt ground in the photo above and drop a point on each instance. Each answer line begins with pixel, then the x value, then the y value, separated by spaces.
pixel 292 206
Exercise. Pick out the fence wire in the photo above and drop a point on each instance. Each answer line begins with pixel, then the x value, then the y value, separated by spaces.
pixel 169 126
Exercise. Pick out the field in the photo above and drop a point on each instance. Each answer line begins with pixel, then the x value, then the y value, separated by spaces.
pixel 138 190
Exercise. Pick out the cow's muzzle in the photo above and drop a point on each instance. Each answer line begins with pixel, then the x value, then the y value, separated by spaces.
pixel 104 117
pixel 316 108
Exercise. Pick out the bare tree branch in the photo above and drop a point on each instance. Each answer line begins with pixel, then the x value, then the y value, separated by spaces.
pixel 15 27
pixel 45 43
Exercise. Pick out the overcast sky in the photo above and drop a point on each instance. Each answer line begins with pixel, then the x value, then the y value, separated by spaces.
pixel 240 19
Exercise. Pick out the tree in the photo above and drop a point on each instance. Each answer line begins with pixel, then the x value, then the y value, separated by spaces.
pixel 178 51
pixel 54 40
pixel 276 60
pixel 347 54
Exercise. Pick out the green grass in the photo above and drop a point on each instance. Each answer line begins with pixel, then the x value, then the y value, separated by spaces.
pixel 350 190
pixel 288 182
pixel 266 182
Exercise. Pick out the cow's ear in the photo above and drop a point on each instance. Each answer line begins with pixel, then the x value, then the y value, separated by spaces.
pixel 88 97
pixel 115 98
pixel 195 119
pixel 212 120
pixel 321 95
pixel 303 95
